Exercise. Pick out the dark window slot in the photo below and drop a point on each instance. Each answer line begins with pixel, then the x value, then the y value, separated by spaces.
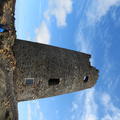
pixel 7 115
pixel 85 79
pixel 53 81
pixel 29 81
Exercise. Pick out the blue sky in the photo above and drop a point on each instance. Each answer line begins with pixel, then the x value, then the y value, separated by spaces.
pixel 89 26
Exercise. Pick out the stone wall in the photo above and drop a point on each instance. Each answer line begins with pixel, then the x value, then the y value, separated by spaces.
pixel 8 103
pixel 54 71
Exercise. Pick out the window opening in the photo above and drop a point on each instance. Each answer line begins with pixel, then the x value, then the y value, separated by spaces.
pixel 85 79
pixel 53 81
pixel 29 81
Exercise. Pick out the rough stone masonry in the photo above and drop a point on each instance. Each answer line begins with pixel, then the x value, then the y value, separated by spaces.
pixel 31 71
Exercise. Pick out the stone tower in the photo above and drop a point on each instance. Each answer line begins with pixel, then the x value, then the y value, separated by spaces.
pixel 44 71
pixel 30 70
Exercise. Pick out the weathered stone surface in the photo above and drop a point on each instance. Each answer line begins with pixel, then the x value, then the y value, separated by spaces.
pixel 42 63
pixel 2 83
pixel 8 103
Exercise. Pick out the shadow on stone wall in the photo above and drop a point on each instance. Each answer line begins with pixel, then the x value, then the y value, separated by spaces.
pixel 2 2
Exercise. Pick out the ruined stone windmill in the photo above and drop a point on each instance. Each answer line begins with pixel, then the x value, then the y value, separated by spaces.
pixel 31 71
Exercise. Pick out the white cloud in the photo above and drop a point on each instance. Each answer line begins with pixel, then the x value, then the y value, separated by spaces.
pixel 89 109
pixel 111 111
pixel 75 106
pixel 100 8
pixel 90 106
pixel 43 34
pixel 82 43
pixel 96 10
pixel 59 9
pixel 38 110
pixel 38 114
pixel 29 112
pixel 105 99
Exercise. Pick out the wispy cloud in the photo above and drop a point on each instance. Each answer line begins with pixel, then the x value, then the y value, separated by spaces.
pixel 38 110
pixel 84 107
pixel 74 107
pixel 59 9
pixel 100 8
pixel 107 74
pixel 93 14
pixel 89 107
pixel 43 34
pixel 107 64
pixel 82 43
pixel 111 111
pixel 29 112
pixel 38 114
